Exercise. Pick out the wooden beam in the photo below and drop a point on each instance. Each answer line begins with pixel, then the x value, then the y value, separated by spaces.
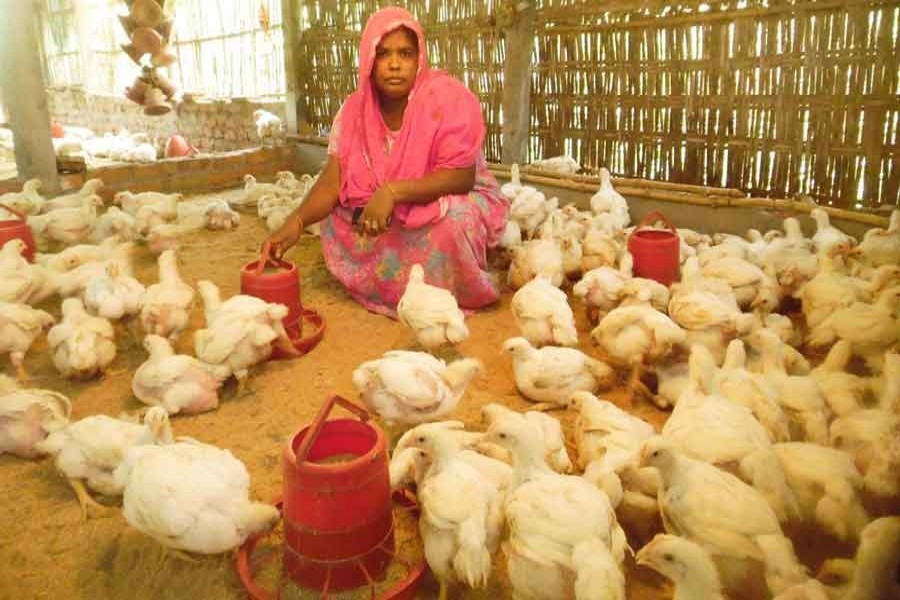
pixel 517 86
pixel 290 27
pixel 25 94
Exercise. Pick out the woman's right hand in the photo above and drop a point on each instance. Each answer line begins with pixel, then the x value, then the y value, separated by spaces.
pixel 285 237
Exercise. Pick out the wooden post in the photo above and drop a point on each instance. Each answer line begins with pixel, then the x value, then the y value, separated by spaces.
pixel 25 94
pixel 290 28
pixel 517 86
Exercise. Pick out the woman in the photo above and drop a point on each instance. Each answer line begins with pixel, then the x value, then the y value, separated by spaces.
pixel 405 181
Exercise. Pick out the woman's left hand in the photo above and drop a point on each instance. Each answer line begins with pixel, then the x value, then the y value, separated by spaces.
pixel 376 215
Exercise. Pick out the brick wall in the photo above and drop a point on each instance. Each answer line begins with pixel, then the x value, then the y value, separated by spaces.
pixel 211 126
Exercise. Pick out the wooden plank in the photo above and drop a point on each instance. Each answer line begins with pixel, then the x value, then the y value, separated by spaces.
pixel 517 86
pixel 290 27
pixel 28 110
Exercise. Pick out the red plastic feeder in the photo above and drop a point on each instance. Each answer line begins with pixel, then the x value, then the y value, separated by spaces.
pixel 278 281
pixel 12 229
pixel 655 252
pixel 337 510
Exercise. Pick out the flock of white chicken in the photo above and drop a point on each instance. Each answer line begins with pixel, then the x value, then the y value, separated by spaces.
pixel 102 305
pixel 758 440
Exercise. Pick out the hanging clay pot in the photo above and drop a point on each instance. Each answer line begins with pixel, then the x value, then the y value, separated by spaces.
pixel 163 58
pixel 147 13
pixel 165 29
pixel 128 24
pixel 138 90
pixel 165 85
pixel 155 103
pixel 146 40
pixel 133 53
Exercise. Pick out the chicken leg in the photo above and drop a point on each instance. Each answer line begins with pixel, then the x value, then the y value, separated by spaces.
pixel 84 498
pixel 443 593
pixel 18 361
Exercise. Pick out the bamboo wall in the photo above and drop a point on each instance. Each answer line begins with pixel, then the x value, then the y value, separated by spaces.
pixel 775 97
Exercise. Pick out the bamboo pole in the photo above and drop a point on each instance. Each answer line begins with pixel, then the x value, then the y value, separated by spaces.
pixel 290 27
pixel 517 86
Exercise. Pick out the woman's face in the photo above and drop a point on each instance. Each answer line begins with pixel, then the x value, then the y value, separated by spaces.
pixel 396 64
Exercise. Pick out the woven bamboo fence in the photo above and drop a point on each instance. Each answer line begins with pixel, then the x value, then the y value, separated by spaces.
pixel 782 98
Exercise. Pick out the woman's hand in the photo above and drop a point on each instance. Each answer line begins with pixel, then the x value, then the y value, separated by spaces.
pixel 376 215
pixel 285 237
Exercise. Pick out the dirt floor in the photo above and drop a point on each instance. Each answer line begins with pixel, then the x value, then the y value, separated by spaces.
pixel 47 552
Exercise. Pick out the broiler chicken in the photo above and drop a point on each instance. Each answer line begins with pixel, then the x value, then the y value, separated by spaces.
pixel 608 200
pixel 166 306
pixel 88 451
pixel 562 165
pixel 530 208
pixel 166 204
pixel 431 312
pixel 551 374
pixel 20 281
pixel 599 249
pixel 28 201
pixel 564 539
pixel 829 238
pixel 543 315
pixel 844 392
pixel 20 326
pixel 190 497
pixel 600 289
pixel 688 565
pixel 551 430
pixel 82 345
pixel 177 382
pixel 113 223
pixel 742 534
pixel 635 335
pixel 407 388
pixel 115 294
pixel 240 332
pixel 533 258
pixel 872 438
pixel 28 416
pixel 66 226
pixel 881 246
pixel 91 187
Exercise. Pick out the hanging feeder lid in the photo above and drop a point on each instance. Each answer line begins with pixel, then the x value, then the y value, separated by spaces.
pixel 147 13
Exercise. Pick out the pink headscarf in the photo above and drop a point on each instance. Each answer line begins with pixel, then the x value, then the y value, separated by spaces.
pixel 442 127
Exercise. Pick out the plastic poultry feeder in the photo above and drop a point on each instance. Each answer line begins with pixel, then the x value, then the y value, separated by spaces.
pixel 337 515
pixel 278 281
pixel 655 252
pixel 12 229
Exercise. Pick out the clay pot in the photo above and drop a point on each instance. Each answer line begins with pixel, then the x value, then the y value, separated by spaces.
pixel 147 13
pixel 57 130
pixel 165 29
pixel 155 103
pixel 133 53
pixel 146 40
pixel 138 90
pixel 177 147
pixel 128 24
pixel 163 58
pixel 165 85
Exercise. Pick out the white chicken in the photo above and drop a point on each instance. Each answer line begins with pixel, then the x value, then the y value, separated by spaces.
pixel 268 125
pixel 872 574
pixel 533 258
pixel 791 258
pixel 166 204
pixel 75 256
pixel 220 216
pixel 880 246
pixel 91 187
pixel 608 200
pixel 407 388
pixel 166 306
pixel 872 438
pixel 599 249
pixel 88 451
pixel 113 223
pixel 28 201
pixel 82 345
pixel 752 287
pixel 551 430
pixel 28 416
pixel 254 191
pixel 871 329
pixel 177 382
pixel 829 238
pixel 115 294
pixel 543 315
pixel 686 564
pixel 66 226
pixel 844 392
pixel 240 332
pixel 742 533
pixel 20 281
pixel 561 165
pixel 431 312
pixel 609 441
pixel 530 208
pixel 20 326
pixel 831 289
pixel 635 335
pixel 827 487
pixel 459 537
pixel 800 397
pixel 564 540
pixel 600 289
pixel 551 374
pixel 190 497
